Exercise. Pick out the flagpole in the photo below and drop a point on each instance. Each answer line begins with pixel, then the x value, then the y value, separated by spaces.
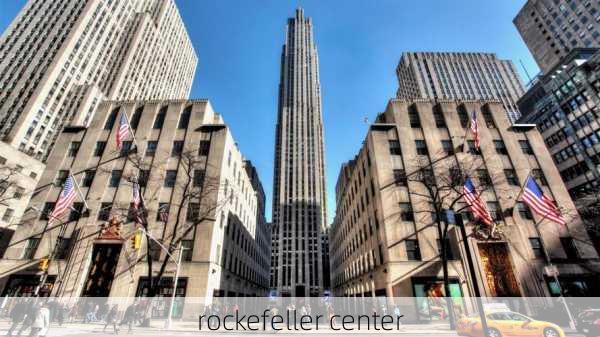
pixel 79 192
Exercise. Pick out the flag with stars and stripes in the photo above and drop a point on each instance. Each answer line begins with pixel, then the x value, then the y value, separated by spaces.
pixel 475 129
pixel 123 131
pixel 65 200
pixel 475 203
pixel 540 203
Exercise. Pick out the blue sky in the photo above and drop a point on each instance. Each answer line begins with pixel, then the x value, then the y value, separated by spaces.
pixel 359 43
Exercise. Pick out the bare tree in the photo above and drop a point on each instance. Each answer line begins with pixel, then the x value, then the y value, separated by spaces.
pixel 440 184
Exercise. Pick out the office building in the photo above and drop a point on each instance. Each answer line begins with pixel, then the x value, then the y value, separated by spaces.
pixel 59 57
pixel 385 241
pixel 551 29
pixel 195 185
pixel 299 197
pixel 462 76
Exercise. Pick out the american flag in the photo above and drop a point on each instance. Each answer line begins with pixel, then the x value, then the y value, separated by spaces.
pixel 65 199
pixel 475 129
pixel 475 203
pixel 540 203
pixel 163 212
pixel 123 130
pixel 136 203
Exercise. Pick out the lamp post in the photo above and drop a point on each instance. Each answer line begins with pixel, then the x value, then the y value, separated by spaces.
pixel 173 295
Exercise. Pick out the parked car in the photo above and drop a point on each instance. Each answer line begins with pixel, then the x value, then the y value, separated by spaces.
pixel 508 324
pixel 588 322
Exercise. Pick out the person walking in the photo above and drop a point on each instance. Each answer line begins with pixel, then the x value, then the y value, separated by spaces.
pixel 111 318
pixel 129 317
pixel 17 315
pixel 41 321
pixel 30 312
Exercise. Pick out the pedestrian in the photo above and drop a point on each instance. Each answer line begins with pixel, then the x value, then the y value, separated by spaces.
pixel 111 318
pixel 129 317
pixel 30 312
pixel 60 314
pixel 41 321
pixel 17 315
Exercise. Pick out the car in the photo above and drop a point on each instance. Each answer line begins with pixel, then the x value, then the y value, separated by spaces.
pixel 588 322
pixel 507 324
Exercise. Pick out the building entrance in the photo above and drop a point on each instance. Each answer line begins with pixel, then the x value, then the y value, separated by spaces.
pixel 102 270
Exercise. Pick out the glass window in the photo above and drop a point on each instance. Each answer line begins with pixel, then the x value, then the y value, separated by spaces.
pixel 400 177
pixel 99 149
pixel 76 211
pixel 61 178
pixel 110 121
pixel 135 119
pixel 447 248
pixel 188 250
pixel 525 146
pixel 160 118
pixel 104 212
pixel 500 147
pixel 569 247
pixel 421 147
pixel 88 177
pixel 448 147
pixel 74 148
pixel 184 118
pixel 406 212
pixel 413 117
pixel 115 178
pixel 177 148
pixel 198 178
pixel 536 247
pixel 63 246
pixel 524 211
pixel 32 245
pixel 439 119
pixel 48 207
pixel 204 148
pixel 151 148
pixel 125 148
pixel 412 250
pixel 170 178
pixel 395 148
pixel 511 177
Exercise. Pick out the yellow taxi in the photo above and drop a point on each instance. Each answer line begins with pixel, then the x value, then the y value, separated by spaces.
pixel 507 324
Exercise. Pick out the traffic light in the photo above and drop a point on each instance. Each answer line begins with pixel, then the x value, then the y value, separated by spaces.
pixel 136 241
pixel 43 265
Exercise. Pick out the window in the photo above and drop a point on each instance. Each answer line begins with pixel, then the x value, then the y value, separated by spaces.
pixel 412 250
pixel 88 178
pixel 447 249
pixel 525 146
pixel 484 178
pixel 177 148
pixel 406 212
pixel 2 160
pixel 163 212
pixel 536 247
pixel 400 177
pixel 495 211
pixel 184 118
pixel 421 147
pixel 188 246
pixel 511 177
pixel 439 119
pixel 155 250
pixel 8 214
pixel 99 149
pixel 204 148
pixel 198 178
pixel 125 148
pixel 19 192
pixel 170 178
pixel 569 247
pixel 151 148
pixel 48 207
pixel 135 119
pixel 413 117
pixel 538 175
pixel 61 177
pixel 464 118
pixel 104 213
pixel 76 211
pixel 489 120
pixel 193 212
pixel 115 178
pixel 447 147
pixel 160 118
pixel 110 121
pixel 73 149
pixel 395 148
pixel 500 147
pixel 524 211
pixel 63 246
pixel 32 245
pixel 143 177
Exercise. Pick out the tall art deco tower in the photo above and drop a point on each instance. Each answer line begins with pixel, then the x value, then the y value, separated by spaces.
pixel 299 186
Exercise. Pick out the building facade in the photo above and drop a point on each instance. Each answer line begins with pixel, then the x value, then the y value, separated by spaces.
pixel 198 191
pixel 565 105
pixel 551 29
pixel 385 239
pixel 461 76
pixel 299 198
pixel 60 57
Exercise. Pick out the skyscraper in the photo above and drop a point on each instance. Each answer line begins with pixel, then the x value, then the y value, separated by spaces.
pixel 62 56
pixel 299 178
pixel 551 29
pixel 461 76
